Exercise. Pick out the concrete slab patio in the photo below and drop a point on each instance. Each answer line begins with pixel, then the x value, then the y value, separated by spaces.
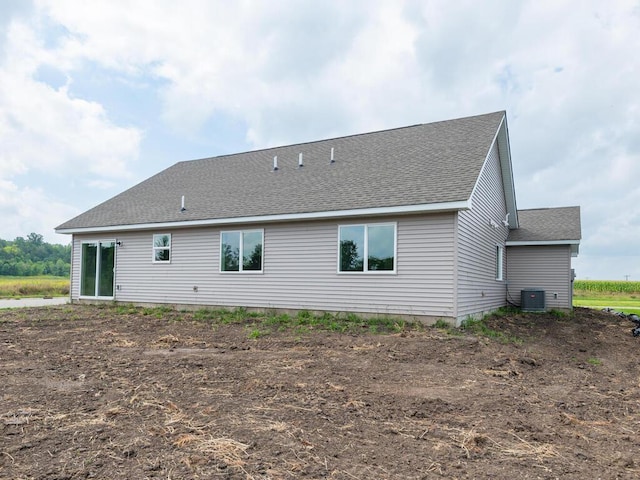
pixel 32 302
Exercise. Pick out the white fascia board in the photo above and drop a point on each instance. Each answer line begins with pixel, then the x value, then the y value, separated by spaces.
pixel 525 243
pixel 501 137
pixel 378 211
pixel 504 150
pixel 575 244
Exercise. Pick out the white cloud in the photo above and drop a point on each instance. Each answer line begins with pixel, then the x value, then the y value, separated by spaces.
pixel 288 71
pixel 48 130
pixel 26 210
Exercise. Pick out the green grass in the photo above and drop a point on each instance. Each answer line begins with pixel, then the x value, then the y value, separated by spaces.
pixel 622 296
pixel 480 327
pixel 619 302
pixel 262 324
pixel 42 286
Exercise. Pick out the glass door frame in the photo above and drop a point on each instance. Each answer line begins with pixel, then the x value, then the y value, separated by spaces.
pixel 98 265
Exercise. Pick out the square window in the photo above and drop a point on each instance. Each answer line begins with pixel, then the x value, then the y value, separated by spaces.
pixel 375 242
pixel 241 251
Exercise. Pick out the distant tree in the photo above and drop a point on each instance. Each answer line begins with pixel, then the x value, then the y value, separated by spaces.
pixel 230 258
pixel 35 239
pixel 350 261
pixel 33 256
pixel 376 263
pixel 254 261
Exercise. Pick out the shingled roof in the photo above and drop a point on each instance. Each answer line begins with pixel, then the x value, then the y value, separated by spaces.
pixel 429 166
pixel 547 226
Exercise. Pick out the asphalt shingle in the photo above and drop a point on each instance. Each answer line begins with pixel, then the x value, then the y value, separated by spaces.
pixel 547 224
pixel 421 164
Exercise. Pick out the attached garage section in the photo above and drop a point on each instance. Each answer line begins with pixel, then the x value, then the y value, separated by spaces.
pixel 539 255
pixel 546 268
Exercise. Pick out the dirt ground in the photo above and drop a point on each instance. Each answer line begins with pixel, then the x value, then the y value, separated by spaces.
pixel 88 393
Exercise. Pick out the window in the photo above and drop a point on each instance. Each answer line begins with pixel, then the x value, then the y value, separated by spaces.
pixel 241 251
pixel 375 242
pixel 499 261
pixel 97 264
pixel 162 247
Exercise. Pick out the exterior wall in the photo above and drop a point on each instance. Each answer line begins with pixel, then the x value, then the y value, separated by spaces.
pixel 477 238
pixel 547 267
pixel 300 269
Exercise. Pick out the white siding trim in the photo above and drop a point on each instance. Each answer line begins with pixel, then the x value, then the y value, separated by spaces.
pixel 575 244
pixel 525 243
pixel 402 209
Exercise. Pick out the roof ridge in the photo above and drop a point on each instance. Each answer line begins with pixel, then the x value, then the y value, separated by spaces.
pixel 341 137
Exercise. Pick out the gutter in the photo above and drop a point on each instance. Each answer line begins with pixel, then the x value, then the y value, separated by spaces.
pixel 575 244
pixel 286 217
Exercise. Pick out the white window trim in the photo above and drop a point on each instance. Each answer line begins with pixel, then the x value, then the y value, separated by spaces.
pixel 154 248
pixel 241 253
pixel 365 270
pixel 499 263
pixel 97 297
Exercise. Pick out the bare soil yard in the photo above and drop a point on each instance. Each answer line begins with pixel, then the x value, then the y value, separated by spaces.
pixel 88 392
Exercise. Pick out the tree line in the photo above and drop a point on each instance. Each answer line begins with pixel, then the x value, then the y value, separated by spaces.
pixel 31 256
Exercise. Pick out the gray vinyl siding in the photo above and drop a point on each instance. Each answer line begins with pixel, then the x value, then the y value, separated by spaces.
pixel 300 269
pixel 477 288
pixel 547 267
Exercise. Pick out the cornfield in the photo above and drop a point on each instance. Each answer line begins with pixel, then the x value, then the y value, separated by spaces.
pixel 607 286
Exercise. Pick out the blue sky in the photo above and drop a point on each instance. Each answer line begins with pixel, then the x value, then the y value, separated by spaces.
pixel 97 96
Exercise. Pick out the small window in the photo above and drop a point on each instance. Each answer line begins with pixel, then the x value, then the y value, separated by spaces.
pixel 162 247
pixel 499 262
pixel 367 248
pixel 241 251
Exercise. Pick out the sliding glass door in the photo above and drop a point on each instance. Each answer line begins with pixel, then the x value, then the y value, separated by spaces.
pixel 97 269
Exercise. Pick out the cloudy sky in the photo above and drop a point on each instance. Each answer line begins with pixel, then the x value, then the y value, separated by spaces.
pixel 97 96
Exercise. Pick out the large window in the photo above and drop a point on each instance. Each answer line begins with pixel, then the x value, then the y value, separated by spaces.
pixel 241 251
pixel 162 247
pixel 367 248
pixel 97 269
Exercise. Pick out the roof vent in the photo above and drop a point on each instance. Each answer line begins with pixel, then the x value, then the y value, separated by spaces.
pixel 275 163
pixel 300 163
pixel 332 160
pixel 182 209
